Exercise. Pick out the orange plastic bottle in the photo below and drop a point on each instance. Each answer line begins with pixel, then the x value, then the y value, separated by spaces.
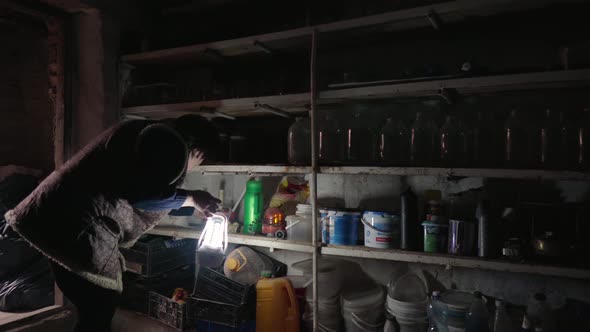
pixel 276 305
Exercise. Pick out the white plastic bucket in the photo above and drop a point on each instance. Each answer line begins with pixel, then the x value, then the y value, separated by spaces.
pixel 364 311
pixel 381 229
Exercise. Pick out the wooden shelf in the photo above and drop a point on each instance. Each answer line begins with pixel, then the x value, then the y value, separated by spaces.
pixel 235 107
pixel 384 254
pixel 465 86
pixel 250 240
pixel 448 12
pixel 298 102
pixel 524 174
pixel 454 261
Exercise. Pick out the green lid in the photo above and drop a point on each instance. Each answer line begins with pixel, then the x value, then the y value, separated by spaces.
pixel 266 274
pixel 254 186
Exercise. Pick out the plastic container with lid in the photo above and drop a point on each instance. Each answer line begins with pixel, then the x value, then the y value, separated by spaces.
pixel 364 310
pixel 244 265
pixel 299 226
pixel 276 305
pixel 299 142
pixel 539 313
pixel 382 229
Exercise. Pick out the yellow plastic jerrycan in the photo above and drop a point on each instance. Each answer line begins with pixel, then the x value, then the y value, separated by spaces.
pixel 276 305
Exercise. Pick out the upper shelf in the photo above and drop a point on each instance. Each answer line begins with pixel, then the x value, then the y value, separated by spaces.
pixel 400 171
pixel 447 12
pixel 299 102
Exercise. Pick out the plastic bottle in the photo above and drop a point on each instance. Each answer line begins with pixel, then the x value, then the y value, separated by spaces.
pixel 409 226
pixel 299 142
pixel 299 226
pixel 477 316
pixel 540 313
pixel 276 305
pixel 422 141
pixel 253 207
pixel 516 150
pixel 502 322
pixel 484 230
pixel 436 318
pixel 394 143
pixel 244 265
pixel 453 143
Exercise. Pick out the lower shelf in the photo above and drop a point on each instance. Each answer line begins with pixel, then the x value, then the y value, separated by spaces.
pixel 455 261
pixel 386 254
pixel 251 240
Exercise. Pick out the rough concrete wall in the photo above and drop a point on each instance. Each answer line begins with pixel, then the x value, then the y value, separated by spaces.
pixel 26 118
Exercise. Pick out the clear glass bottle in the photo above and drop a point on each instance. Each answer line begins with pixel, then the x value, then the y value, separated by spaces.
pixel 453 143
pixel 502 321
pixel 299 142
pixel 516 140
pixel 394 143
pixel 422 141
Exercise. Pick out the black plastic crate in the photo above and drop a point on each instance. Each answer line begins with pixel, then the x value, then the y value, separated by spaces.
pixel 212 285
pixel 223 313
pixel 136 288
pixel 171 313
pixel 153 255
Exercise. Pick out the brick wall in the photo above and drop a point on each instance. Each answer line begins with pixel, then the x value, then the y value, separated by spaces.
pixel 26 118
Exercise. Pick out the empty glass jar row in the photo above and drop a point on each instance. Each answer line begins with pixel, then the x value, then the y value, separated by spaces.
pixel 431 134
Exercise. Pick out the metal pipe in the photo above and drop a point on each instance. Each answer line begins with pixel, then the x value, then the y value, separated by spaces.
pixel 274 110
pixel 314 178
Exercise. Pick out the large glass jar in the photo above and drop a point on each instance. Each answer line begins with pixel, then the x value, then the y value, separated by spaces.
pixel 422 141
pixel 584 141
pixel 550 137
pixel 299 142
pixel 485 141
pixel 394 143
pixel 360 139
pixel 516 142
pixel 453 143
pixel 331 140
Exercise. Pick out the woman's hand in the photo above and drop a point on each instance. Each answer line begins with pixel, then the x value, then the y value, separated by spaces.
pixel 202 201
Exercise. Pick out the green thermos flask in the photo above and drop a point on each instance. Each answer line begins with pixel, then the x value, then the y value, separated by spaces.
pixel 253 206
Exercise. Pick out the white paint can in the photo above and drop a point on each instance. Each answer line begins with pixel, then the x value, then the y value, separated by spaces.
pixel 382 229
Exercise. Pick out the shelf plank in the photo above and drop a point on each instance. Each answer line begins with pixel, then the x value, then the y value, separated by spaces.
pixel 524 174
pixel 454 261
pixel 250 240
pixel 298 102
pixel 404 19
pixel 237 106
pixel 467 85
pixel 252 169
